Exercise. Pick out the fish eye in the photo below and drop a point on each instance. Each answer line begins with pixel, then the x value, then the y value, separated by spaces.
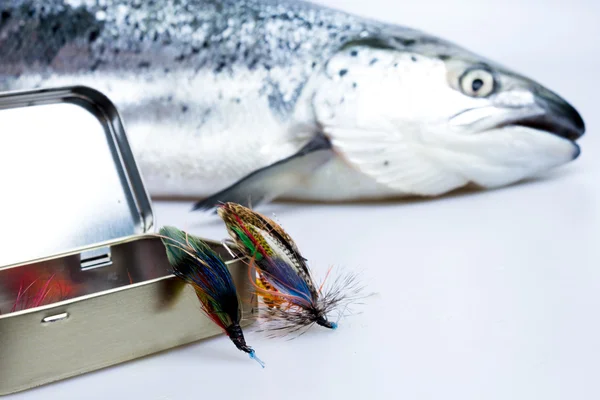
pixel 477 82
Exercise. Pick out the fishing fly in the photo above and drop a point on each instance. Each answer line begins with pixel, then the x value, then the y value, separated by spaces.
pixel 284 281
pixel 197 264
pixel 36 290
pixel 40 297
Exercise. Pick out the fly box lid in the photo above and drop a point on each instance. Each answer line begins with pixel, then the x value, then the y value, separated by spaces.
pixel 83 279
pixel 68 174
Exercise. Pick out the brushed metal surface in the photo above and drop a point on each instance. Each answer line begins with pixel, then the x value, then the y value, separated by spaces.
pixel 76 214
pixel 67 173
pixel 139 260
pixel 110 326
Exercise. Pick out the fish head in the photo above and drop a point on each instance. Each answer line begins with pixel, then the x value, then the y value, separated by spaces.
pixel 424 116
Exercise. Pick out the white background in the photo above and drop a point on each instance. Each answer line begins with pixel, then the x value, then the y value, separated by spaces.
pixel 481 296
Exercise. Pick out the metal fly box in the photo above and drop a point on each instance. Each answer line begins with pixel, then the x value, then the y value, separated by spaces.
pixel 83 281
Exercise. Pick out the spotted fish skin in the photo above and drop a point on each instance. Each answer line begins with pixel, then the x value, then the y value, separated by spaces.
pixel 180 72
pixel 211 91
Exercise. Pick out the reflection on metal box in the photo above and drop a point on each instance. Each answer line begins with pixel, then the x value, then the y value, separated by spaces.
pixel 75 214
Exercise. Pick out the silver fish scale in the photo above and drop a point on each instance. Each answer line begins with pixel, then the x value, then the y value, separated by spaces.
pixel 160 37
pixel 209 90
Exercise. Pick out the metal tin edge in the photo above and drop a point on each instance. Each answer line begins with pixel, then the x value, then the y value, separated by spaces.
pixel 78 250
pixel 178 321
pixel 132 173
pixel 93 97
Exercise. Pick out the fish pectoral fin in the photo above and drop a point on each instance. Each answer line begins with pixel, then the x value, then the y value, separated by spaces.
pixel 265 184
pixel 403 165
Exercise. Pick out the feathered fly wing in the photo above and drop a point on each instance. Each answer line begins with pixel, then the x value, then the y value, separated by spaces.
pixel 276 256
pixel 197 264
pixel 284 280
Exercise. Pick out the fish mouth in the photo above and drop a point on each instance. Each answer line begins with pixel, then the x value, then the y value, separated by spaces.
pixel 558 127
pixel 559 117
pixel 549 114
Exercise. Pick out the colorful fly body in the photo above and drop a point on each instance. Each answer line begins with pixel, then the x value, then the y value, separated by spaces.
pixel 284 279
pixel 197 264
